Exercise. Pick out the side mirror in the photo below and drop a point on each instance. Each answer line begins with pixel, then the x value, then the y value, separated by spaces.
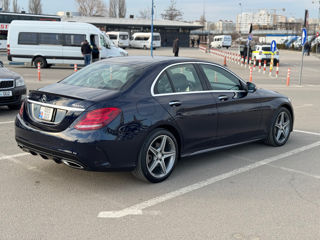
pixel 251 87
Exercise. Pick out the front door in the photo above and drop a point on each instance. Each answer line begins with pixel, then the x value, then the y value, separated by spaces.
pixel 239 111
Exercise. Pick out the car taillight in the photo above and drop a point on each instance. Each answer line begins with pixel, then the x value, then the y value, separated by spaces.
pixel 21 109
pixel 8 49
pixel 97 119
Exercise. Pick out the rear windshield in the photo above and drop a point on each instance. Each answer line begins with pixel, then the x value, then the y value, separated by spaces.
pixel 123 37
pixel 104 75
pixel 112 36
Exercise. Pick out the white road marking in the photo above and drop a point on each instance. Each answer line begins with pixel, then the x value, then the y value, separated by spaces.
pixel 304 105
pixel 13 156
pixel 295 171
pixel 9 122
pixel 137 209
pixel 307 132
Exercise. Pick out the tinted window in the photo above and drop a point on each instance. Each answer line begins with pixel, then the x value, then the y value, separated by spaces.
pixel 220 79
pixel 123 37
pixel 28 38
pixel 184 78
pixel 112 36
pixel 74 39
pixel 50 38
pixel 103 75
pixel 163 84
pixel 266 49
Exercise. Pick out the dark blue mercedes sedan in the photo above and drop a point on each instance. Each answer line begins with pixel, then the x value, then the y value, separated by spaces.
pixel 142 114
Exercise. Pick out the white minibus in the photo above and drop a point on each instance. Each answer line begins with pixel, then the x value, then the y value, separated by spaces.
pixel 120 39
pixel 48 43
pixel 221 41
pixel 143 40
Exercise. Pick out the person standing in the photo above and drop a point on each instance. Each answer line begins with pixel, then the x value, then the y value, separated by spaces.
pixel 86 52
pixel 176 47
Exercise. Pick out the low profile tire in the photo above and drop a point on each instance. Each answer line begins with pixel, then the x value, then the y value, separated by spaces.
pixel 41 60
pixel 158 157
pixel 15 106
pixel 280 129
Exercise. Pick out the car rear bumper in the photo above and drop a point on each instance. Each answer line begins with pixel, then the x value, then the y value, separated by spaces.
pixel 96 155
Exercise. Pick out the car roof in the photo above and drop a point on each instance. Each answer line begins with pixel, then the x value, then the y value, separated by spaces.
pixel 146 61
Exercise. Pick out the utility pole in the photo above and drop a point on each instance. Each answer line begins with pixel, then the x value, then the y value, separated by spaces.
pixel 151 46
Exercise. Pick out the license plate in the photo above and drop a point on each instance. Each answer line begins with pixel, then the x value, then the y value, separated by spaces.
pixel 6 94
pixel 45 113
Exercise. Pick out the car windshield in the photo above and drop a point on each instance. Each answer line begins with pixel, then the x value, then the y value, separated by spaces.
pixel 104 75
pixel 266 49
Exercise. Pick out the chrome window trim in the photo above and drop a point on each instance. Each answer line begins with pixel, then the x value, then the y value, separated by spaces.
pixel 57 106
pixel 204 91
pixel 8 79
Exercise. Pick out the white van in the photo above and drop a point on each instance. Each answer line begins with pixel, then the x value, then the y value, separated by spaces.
pixel 221 41
pixel 48 43
pixel 120 39
pixel 143 40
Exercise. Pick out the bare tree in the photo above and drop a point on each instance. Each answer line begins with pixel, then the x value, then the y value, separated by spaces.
pixel 91 7
pixel 122 8
pixel 35 6
pixel 6 5
pixel 15 6
pixel 145 14
pixel 172 13
pixel 113 6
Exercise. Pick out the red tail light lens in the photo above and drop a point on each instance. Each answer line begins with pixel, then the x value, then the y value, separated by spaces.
pixel 97 119
pixel 21 109
pixel 8 49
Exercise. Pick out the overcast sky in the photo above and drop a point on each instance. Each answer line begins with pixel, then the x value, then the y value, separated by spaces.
pixel 192 9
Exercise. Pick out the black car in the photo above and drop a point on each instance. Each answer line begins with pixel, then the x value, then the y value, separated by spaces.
pixel 12 88
pixel 141 114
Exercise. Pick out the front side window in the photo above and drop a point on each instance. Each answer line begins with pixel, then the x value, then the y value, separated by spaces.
pixel 184 78
pixel 220 79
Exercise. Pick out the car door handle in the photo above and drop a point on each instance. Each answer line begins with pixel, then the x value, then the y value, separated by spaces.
pixel 175 103
pixel 223 98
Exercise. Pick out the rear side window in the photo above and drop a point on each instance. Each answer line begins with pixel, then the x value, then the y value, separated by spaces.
pixel 220 79
pixel 28 38
pixel 74 40
pixel 184 78
pixel 163 85
pixel 50 38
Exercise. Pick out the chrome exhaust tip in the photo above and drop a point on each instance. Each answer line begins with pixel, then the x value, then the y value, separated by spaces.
pixel 72 164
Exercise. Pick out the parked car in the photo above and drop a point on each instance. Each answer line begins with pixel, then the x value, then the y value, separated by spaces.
pixel 120 39
pixel 143 40
pixel 50 43
pixel 221 41
pixel 12 88
pixel 142 114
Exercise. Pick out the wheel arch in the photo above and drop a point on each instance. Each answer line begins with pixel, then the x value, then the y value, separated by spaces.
pixel 290 109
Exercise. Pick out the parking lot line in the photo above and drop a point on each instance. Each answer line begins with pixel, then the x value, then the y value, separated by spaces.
pixel 137 209
pixel 6 122
pixel 307 132
pixel 295 171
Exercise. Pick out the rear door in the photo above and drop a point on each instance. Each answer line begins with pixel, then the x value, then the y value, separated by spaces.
pixel 239 111
pixel 181 92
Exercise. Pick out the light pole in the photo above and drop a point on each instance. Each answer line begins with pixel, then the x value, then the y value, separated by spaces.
pixel 315 2
pixel 240 4
pixel 152 12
